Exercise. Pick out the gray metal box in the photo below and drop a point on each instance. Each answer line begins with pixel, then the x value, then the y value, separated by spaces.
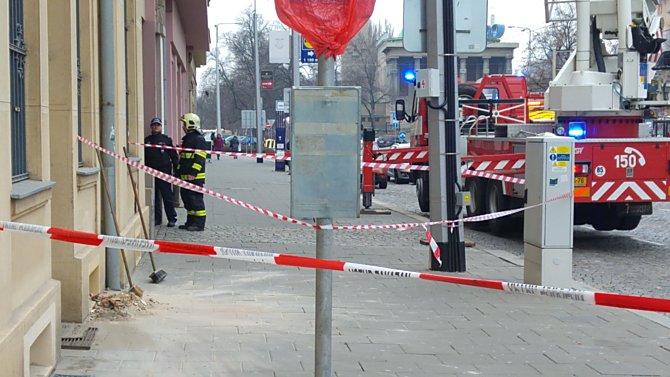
pixel 549 174
pixel 325 152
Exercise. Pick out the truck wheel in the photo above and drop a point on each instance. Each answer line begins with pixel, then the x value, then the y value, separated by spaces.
pixel 496 201
pixel 422 192
pixel 397 179
pixel 629 222
pixel 477 189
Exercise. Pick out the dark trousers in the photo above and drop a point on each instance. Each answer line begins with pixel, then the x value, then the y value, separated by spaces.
pixel 163 190
pixel 195 205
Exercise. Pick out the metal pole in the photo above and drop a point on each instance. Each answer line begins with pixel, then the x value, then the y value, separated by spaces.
pixel 218 95
pixel 530 33
pixel 455 255
pixel 323 342
pixel 297 44
pixel 107 136
pixel 554 55
pixel 259 121
pixel 323 346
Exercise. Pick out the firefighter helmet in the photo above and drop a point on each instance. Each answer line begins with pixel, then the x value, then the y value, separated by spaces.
pixel 191 121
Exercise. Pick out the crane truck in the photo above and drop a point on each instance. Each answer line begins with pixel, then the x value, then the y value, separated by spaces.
pixel 599 98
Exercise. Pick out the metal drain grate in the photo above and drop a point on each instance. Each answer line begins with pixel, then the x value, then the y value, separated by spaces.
pixel 80 342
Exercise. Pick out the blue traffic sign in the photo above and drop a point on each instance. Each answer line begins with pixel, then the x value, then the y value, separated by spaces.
pixel 402 135
pixel 307 54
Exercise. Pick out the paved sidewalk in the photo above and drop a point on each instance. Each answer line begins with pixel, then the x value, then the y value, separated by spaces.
pixel 225 318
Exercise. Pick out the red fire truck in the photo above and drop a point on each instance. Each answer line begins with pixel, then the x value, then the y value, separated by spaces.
pixel 621 168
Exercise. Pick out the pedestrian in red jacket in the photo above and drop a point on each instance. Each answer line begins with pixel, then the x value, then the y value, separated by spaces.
pixel 218 143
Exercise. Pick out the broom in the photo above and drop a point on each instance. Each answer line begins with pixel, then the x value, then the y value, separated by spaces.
pixel 133 288
pixel 157 275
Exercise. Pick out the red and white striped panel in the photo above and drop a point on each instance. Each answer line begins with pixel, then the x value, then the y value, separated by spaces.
pixel 497 165
pixel 641 191
pixel 653 58
pixel 407 156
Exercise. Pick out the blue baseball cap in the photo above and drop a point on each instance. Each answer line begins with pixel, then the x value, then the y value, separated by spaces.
pixel 156 121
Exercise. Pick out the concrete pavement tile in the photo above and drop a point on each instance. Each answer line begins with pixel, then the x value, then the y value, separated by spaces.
pixel 365 374
pixel 506 369
pixel 130 373
pixel 564 370
pixel 104 365
pixel 78 353
pixel 239 338
pixel 650 363
pixel 387 367
pixel 154 367
pixel 243 374
pixel 448 369
pixel 575 355
pixel 76 363
pixel 428 348
pixel 620 369
pixel 280 355
pixel 289 364
pixel 198 369
pixel 281 373
pixel 375 351
pixel 126 355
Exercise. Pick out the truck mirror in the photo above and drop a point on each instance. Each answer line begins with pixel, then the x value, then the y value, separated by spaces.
pixel 400 109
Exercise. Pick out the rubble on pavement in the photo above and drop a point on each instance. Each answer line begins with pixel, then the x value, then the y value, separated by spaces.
pixel 114 305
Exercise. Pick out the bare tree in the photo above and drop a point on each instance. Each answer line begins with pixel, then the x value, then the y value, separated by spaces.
pixel 361 65
pixel 237 75
pixel 559 36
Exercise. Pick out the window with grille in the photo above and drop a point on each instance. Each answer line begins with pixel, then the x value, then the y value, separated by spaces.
pixel 17 58
pixel 475 68
pixel 497 65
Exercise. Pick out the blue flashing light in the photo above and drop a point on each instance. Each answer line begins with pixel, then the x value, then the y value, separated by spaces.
pixel 409 76
pixel 577 130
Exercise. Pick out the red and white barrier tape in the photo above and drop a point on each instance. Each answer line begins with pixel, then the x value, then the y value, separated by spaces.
pixel 156 246
pixel 385 165
pixel 497 177
pixel 178 182
pixel 378 165
pixel 433 245
pixel 271 156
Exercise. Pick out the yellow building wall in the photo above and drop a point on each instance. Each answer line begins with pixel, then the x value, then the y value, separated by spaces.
pixel 30 308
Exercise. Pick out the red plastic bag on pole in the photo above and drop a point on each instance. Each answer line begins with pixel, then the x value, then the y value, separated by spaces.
pixel 328 25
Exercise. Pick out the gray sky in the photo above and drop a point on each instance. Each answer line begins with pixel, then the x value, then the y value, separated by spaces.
pixel 525 13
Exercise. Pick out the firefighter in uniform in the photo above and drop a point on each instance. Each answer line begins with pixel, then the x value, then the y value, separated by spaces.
pixel 191 169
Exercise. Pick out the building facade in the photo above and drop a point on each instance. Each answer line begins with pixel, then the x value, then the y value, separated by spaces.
pixel 70 68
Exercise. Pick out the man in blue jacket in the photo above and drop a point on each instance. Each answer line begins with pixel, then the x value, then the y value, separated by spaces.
pixel 164 160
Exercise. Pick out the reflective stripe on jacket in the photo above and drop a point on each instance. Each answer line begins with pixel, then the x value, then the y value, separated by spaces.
pixel 192 163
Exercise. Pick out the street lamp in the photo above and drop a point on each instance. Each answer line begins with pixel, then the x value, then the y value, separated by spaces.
pixel 530 33
pixel 218 94
pixel 259 125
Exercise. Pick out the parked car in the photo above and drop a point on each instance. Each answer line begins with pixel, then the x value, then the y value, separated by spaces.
pixel 247 140
pixel 387 141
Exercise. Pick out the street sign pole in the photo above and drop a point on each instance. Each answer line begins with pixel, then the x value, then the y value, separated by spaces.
pixel 323 342
pixel 443 148
pixel 259 124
